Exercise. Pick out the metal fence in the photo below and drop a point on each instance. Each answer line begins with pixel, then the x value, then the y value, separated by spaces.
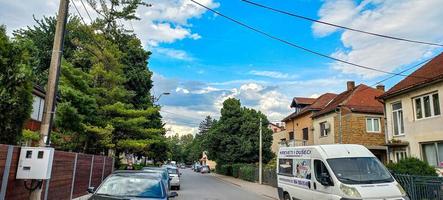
pixel 421 187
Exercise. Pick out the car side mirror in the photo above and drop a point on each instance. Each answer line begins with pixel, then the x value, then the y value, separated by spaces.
pixel 173 194
pixel 91 190
pixel 325 179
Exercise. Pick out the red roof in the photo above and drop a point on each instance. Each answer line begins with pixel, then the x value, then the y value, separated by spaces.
pixel 430 72
pixel 302 101
pixel 361 99
pixel 318 104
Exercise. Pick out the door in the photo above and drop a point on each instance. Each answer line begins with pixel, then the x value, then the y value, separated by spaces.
pixel 320 191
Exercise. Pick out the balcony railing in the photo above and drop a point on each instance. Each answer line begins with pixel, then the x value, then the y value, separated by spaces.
pixel 293 143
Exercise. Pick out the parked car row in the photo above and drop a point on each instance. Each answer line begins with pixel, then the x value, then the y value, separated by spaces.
pixel 148 183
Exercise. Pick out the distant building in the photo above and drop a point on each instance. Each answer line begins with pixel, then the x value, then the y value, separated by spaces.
pixel 413 114
pixel 38 96
pixel 354 116
pixel 276 126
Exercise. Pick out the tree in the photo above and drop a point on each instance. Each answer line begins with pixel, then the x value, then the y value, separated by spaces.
pixel 15 86
pixel 235 137
pixel 205 125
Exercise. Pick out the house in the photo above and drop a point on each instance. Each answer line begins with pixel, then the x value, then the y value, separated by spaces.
pixel 38 96
pixel 276 126
pixel 354 116
pixel 299 123
pixel 413 114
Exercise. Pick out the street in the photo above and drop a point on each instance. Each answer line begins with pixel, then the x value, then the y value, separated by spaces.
pixel 196 186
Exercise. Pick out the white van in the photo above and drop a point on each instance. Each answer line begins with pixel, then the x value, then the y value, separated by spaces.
pixel 334 172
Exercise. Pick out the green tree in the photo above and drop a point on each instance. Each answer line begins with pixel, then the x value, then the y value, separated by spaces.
pixel 235 137
pixel 15 86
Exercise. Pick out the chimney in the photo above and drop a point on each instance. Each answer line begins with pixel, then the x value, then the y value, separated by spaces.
pixel 381 88
pixel 351 85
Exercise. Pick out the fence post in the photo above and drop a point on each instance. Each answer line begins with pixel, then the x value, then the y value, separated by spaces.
pixel 6 172
pixel 104 165
pixel 73 175
pixel 113 163
pixel 90 173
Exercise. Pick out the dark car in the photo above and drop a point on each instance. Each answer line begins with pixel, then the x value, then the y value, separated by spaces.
pixel 129 185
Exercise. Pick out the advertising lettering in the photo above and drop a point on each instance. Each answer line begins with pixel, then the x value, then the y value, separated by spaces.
pixel 295 153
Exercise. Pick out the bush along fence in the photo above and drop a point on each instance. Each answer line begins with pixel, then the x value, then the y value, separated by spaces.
pixel 421 187
pixel 248 172
pixel 72 174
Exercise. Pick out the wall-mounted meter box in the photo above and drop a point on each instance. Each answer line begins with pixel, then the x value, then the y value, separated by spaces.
pixel 35 163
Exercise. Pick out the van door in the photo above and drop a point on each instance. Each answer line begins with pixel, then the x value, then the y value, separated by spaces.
pixel 294 177
pixel 321 191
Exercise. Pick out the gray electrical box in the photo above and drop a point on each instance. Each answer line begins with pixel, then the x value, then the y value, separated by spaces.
pixel 35 163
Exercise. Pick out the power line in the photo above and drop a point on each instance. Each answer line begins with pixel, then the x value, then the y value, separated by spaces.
pixel 78 12
pixel 298 46
pixel 340 26
pixel 90 18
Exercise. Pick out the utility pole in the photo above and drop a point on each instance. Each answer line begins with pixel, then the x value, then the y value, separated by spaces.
pixel 260 165
pixel 51 90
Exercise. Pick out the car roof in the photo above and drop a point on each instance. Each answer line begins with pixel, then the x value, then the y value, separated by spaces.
pixel 136 173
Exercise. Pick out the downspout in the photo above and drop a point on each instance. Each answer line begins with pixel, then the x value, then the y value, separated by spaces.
pixel 388 154
pixel 340 136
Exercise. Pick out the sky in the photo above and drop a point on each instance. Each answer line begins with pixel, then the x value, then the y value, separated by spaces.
pixel 202 59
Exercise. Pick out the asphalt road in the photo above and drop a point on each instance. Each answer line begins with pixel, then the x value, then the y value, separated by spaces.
pixel 196 186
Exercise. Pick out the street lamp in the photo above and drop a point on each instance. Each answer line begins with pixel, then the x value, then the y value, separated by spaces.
pixel 156 99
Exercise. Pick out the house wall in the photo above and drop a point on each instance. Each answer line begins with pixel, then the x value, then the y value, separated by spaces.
pixel 317 139
pixel 416 131
pixel 276 138
pixel 354 130
pixel 301 122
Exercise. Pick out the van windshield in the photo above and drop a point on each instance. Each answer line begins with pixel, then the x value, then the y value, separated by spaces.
pixel 361 170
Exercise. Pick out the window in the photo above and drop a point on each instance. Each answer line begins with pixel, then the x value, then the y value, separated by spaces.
pixel 37 108
pixel 285 167
pixel 324 129
pixel 427 106
pixel 291 135
pixel 305 134
pixel 397 119
pixel 373 124
pixel 400 155
pixel 433 153
pixel 319 168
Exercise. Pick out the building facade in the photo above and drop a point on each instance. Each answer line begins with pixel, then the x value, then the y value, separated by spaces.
pixel 413 114
pixel 353 117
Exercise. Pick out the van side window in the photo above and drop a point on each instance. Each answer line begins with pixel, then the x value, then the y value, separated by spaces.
pixel 286 166
pixel 319 168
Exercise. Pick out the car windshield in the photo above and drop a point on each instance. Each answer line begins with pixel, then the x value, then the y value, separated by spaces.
pixel 134 185
pixel 361 170
pixel 172 171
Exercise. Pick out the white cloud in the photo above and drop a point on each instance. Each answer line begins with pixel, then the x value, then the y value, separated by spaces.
pixel 418 20
pixel 174 53
pixel 270 74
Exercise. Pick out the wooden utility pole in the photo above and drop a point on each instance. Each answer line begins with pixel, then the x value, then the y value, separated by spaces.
pixel 51 90
pixel 260 165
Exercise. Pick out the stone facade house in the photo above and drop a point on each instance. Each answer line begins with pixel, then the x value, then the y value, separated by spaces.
pixel 354 116
pixel 413 114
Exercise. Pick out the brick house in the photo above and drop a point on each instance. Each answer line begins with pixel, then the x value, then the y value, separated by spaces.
pixel 354 116
pixel 413 114
pixel 299 123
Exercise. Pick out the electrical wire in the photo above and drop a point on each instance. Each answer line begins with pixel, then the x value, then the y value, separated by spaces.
pixel 90 18
pixel 341 26
pixel 298 46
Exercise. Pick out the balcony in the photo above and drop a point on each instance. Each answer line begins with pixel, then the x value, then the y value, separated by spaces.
pixel 293 143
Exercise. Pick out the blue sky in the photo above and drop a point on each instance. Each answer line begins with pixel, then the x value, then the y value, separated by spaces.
pixel 202 58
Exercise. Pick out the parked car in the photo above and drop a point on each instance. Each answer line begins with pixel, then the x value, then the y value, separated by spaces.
pixel 131 185
pixel 175 177
pixel 162 171
pixel 205 169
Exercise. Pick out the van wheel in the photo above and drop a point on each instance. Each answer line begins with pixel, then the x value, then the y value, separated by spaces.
pixel 286 196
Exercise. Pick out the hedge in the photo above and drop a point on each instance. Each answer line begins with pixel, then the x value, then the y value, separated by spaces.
pixel 247 172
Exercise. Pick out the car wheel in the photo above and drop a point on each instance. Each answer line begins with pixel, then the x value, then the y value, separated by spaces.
pixel 286 196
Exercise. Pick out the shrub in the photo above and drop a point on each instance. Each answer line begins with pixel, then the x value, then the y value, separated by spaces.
pixel 236 169
pixel 412 166
pixel 225 169
pixel 247 172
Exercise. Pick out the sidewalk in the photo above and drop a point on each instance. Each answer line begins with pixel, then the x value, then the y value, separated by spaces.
pixel 264 190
